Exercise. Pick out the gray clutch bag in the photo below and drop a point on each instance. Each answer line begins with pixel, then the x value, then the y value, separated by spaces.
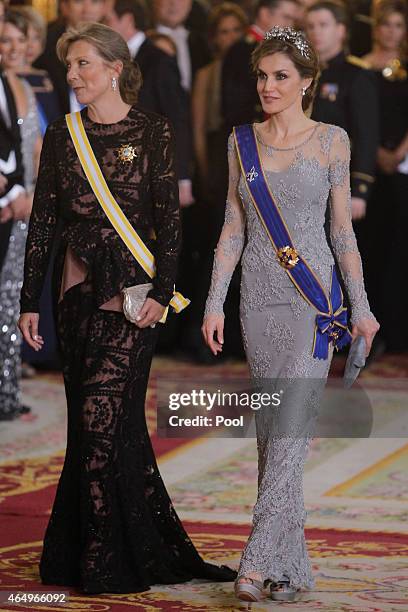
pixel 355 361
pixel 133 300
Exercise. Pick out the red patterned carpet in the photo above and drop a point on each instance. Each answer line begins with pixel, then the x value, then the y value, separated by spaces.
pixel 356 530
pixel 356 552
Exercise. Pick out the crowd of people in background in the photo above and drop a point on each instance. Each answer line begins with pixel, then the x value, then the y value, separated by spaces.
pixel 194 58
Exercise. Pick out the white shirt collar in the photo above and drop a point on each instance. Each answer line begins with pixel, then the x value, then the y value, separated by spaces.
pixel 180 37
pixel 135 43
pixel 179 32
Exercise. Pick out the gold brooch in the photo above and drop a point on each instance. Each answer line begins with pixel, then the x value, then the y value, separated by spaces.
pixel 394 71
pixel 288 257
pixel 126 153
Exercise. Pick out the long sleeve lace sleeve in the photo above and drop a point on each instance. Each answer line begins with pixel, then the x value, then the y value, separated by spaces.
pixel 342 235
pixel 41 228
pixel 231 241
pixel 166 213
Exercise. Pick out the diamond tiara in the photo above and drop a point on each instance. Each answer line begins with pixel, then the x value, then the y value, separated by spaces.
pixel 290 35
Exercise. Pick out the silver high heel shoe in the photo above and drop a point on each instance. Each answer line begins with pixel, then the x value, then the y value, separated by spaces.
pixel 249 591
pixel 282 591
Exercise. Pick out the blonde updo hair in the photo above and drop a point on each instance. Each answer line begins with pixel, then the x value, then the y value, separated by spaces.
pixel 111 47
pixel 307 67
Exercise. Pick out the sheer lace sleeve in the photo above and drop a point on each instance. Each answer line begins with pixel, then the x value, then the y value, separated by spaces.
pixel 231 241
pixel 41 228
pixel 341 229
pixel 166 213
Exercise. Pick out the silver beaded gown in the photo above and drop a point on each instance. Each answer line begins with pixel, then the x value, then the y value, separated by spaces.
pixel 278 324
pixel 11 276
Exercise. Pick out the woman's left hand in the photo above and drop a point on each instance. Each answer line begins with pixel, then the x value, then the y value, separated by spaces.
pixel 366 327
pixel 150 313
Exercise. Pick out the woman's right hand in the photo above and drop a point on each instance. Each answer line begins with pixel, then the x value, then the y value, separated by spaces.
pixel 28 325
pixel 213 323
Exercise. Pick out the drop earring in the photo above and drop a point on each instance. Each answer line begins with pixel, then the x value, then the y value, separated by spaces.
pixel 114 83
pixel 304 91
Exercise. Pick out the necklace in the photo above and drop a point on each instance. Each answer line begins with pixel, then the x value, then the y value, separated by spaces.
pixel 270 149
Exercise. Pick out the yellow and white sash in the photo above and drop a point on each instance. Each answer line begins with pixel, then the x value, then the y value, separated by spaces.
pixel 112 209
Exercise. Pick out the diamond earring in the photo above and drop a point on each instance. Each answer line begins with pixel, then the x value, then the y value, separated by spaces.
pixel 304 91
pixel 114 83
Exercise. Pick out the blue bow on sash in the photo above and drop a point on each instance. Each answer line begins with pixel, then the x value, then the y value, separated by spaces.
pixel 332 327
pixel 331 320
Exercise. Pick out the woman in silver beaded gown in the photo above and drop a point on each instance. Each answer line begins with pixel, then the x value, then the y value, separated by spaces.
pixel 11 276
pixel 307 172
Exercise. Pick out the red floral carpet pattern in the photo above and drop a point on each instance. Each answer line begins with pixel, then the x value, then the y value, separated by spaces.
pixel 359 559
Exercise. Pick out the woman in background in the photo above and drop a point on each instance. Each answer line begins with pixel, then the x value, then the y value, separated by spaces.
pixel 49 109
pixel 13 45
pixel 226 25
pixel 388 210
pixel 48 104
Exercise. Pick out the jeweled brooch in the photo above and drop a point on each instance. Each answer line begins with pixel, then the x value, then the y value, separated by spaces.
pixel 288 257
pixel 126 153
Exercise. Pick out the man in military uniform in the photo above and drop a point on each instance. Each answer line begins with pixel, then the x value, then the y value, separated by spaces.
pixel 346 95
pixel 239 98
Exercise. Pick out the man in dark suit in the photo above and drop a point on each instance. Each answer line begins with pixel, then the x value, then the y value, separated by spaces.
pixel 239 98
pixel 14 203
pixel 170 17
pixel 192 47
pixel 161 91
pixel 192 52
pixel 73 12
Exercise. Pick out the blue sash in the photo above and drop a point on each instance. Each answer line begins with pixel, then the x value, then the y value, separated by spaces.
pixel 331 318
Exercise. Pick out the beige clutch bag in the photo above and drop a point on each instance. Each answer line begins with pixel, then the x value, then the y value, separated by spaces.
pixel 133 300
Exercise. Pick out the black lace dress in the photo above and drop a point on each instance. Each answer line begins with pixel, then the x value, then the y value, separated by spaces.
pixel 113 527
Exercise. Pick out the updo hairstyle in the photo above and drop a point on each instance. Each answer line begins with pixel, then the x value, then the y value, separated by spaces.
pixel 111 47
pixel 307 66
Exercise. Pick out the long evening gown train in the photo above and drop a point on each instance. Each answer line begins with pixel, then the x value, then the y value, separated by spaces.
pixel 113 527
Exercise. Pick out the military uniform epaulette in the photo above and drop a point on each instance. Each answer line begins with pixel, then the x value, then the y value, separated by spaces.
pixel 357 61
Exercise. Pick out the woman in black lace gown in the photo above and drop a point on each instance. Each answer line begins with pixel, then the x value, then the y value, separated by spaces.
pixel 113 527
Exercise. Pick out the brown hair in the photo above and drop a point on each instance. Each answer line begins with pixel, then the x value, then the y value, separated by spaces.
pixel 156 36
pixel 307 67
pixel 16 19
pixel 340 12
pixel 384 8
pixel 34 19
pixel 225 9
pixel 111 47
pixel 337 8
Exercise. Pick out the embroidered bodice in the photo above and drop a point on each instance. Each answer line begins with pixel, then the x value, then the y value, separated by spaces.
pixel 146 190
pixel 311 183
